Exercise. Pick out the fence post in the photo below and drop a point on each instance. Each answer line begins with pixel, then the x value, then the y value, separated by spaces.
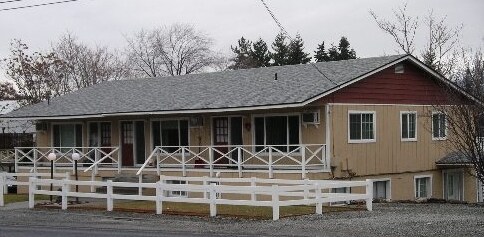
pixel 2 188
pixel 65 189
pixel 303 161
pixel 213 197
pixel 32 187
pixel 16 160
pixel 306 188
pixel 159 197
pixel 184 168
pixel 140 181
pixel 210 160
pixel 96 158
pixel 35 161
pixel 158 170
pixel 275 202
pixel 253 196
pixel 92 179
pixel 270 163
pixel 109 192
pixel 319 203
pixel 239 161
pixel 204 183
pixel 369 193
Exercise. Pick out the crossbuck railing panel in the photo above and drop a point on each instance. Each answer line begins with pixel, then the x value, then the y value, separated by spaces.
pixel 301 157
pixel 281 193
pixel 89 156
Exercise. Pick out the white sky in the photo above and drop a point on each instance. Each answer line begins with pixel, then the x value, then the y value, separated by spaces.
pixel 104 22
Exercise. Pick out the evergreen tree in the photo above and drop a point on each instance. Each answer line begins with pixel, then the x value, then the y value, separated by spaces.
pixel 242 58
pixel 345 52
pixel 320 55
pixel 333 53
pixel 280 50
pixel 296 54
pixel 260 54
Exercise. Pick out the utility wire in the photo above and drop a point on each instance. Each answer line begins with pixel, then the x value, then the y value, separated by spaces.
pixel 283 30
pixel 10 1
pixel 35 5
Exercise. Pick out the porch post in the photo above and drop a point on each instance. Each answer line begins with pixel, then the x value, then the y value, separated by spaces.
pixel 239 161
pixel 270 163
pixel 210 160
pixel 184 170
pixel 303 161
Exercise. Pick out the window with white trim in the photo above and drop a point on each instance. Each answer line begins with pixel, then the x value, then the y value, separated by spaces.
pixel 67 135
pixel 361 126
pixel 423 187
pixel 408 126
pixel 175 193
pixel 439 126
pixel 279 131
pixel 170 133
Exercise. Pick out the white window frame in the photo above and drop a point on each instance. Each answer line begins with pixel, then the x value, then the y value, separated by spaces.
pixel 350 112
pixel 178 119
pixel 98 136
pixel 401 123
pixel 287 127
pixel 429 188
pixel 446 127
pixel 66 123
pixel 388 187
pixel 173 193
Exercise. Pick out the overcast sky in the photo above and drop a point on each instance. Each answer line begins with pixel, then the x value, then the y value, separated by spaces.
pixel 104 22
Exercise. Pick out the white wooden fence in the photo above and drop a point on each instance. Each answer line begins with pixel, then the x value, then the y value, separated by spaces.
pixel 4 181
pixel 280 192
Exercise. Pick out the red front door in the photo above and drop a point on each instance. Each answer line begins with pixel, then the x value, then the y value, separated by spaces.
pixel 220 139
pixel 127 139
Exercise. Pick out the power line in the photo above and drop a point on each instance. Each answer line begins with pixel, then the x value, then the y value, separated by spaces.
pixel 10 1
pixel 283 30
pixel 36 5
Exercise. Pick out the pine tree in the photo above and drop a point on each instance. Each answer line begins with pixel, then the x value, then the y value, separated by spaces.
pixel 296 54
pixel 320 55
pixel 242 58
pixel 260 54
pixel 333 53
pixel 345 52
pixel 280 50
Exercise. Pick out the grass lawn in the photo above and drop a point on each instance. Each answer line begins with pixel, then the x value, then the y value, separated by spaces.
pixel 11 198
pixel 222 210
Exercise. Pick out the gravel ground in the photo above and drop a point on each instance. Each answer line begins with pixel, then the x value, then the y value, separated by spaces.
pixel 387 219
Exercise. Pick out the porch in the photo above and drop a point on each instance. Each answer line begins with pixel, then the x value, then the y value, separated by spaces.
pixel 214 160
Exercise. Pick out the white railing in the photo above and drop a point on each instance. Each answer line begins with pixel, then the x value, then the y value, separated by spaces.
pixel 14 180
pixel 94 157
pixel 299 158
pixel 7 155
pixel 280 193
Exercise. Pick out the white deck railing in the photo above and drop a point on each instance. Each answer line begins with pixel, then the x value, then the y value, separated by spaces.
pixel 278 193
pixel 94 157
pixel 7 155
pixel 299 158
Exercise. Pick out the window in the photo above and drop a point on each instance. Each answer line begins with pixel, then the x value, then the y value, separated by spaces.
pixel 439 126
pixel 175 193
pixel 381 189
pixel 99 134
pixel 361 126
pixel 277 131
pixel 408 121
pixel 67 135
pixel 423 186
pixel 170 133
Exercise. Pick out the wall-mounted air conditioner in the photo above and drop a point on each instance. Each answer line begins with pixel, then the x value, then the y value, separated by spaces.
pixel 310 118
pixel 196 121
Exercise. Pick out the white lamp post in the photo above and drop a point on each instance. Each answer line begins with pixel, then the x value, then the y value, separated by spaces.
pixel 52 156
pixel 76 157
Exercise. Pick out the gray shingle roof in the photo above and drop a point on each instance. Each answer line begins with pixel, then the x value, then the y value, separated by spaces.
pixel 218 90
pixel 454 158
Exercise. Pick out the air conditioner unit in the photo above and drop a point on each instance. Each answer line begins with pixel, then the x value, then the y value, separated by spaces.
pixel 310 118
pixel 41 126
pixel 196 121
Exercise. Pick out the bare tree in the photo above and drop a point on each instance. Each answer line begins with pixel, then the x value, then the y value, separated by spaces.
pixel 465 119
pixel 36 75
pixel 86 66
pixel 7 91
pixel 169 51
pixel 402 29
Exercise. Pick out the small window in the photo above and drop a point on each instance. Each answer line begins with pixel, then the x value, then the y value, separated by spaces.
pixel 439 126
pixel 381 190
pixel 408 126
pixel 399 68
pixel 175 193
pixel 423 187
pixel 361 126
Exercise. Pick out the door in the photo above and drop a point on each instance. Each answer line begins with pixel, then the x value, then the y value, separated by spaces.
pixel 127 140
pixel 220 139
pixel 453 189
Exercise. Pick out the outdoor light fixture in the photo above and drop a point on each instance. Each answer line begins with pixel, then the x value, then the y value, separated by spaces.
pixel 76 157
pixel 52 156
